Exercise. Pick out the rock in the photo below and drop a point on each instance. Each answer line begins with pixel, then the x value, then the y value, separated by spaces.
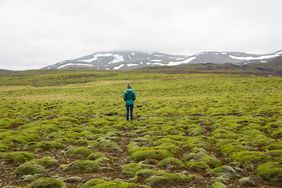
pixel 246 181
pixel 224 170
pixel 222 179
pixel 73 179
pixel 30 177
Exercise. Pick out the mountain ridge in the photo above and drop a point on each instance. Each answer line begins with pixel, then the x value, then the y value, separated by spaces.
pixel 127 60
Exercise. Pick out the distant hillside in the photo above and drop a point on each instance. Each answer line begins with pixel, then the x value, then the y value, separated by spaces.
pixel 2 71
pixel 273 67
pixel 128 60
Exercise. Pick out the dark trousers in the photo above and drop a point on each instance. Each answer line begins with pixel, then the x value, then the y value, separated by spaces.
pixel 129 112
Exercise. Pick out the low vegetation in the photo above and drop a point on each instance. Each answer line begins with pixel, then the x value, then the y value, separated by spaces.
pixel 67 129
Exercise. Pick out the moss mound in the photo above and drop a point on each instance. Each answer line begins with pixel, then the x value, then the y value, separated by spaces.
pixel 47 162
pixel 79 152
pixel 218 185
pixel 146 173
pixel 82 165
pixel 168 179
pixel 47 183
pixel 270 171
pixel 197 166
pixel 150 153
pixel 92 182
pixel 131 169
pixel 100 183
pixel 203 157
pixel 18 157
pixel 248 157
pixel 171 163
pixel 49 145
pixel 96 155
pixel 3 147
pixel 223 170
pixel 29 168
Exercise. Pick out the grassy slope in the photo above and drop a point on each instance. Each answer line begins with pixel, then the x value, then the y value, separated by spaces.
pixel 204 121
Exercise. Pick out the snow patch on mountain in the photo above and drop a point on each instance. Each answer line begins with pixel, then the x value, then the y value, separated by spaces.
pixel 118 67
pixel 161 64
pixel 74 64
pixel 248 58
pixel 117 59
pixel 132 65
pixel 173 63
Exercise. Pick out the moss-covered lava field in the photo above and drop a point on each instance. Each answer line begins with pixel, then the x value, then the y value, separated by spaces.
pixel 68 129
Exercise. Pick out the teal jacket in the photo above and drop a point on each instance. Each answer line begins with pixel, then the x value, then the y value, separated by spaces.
pixel 129 96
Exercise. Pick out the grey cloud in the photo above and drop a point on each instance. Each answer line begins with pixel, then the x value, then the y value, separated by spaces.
pixel 35 33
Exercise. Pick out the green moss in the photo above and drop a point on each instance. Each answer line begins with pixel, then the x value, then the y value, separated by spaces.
pixel 221 133
pixel 202 156
pixel 171 163
pixel 195 130
pixel 273 146
pixel 196 166
pixel 6 123
pixel 115 184
pixel 146 173
pixel 191 156
pixel 3 147
pixel 49 145
pixel 79 152
pixel 30 177
pixel 229 148
pixel 277 133
pixel 150 153
pixel 254 138
pixel 29 168
pixel 92 182
pixel 218 185
pixel 270 171
pixel 18 157
pixel 131 169
pixel 109 146
pixel 172 148
pixel 211 161
pixel 275 155
pixel 133 147
pixel 195 141
pixel 248 157
pixel 82 165
pixel 47 183
pixel 163 140
pixel 100 183
pixel 47 162
pixel 96 155
pixel 223 170
pixel 102 161
pixel 168 179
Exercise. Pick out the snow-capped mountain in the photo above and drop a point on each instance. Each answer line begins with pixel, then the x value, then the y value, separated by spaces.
pixel 124 60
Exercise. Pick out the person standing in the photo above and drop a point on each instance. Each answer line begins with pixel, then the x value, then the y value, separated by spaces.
pixel 129 97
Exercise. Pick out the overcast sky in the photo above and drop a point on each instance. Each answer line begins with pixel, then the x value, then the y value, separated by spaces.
pixel 36 33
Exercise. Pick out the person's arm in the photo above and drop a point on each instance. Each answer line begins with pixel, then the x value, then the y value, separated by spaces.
pixel 124 96
pixel 134 96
